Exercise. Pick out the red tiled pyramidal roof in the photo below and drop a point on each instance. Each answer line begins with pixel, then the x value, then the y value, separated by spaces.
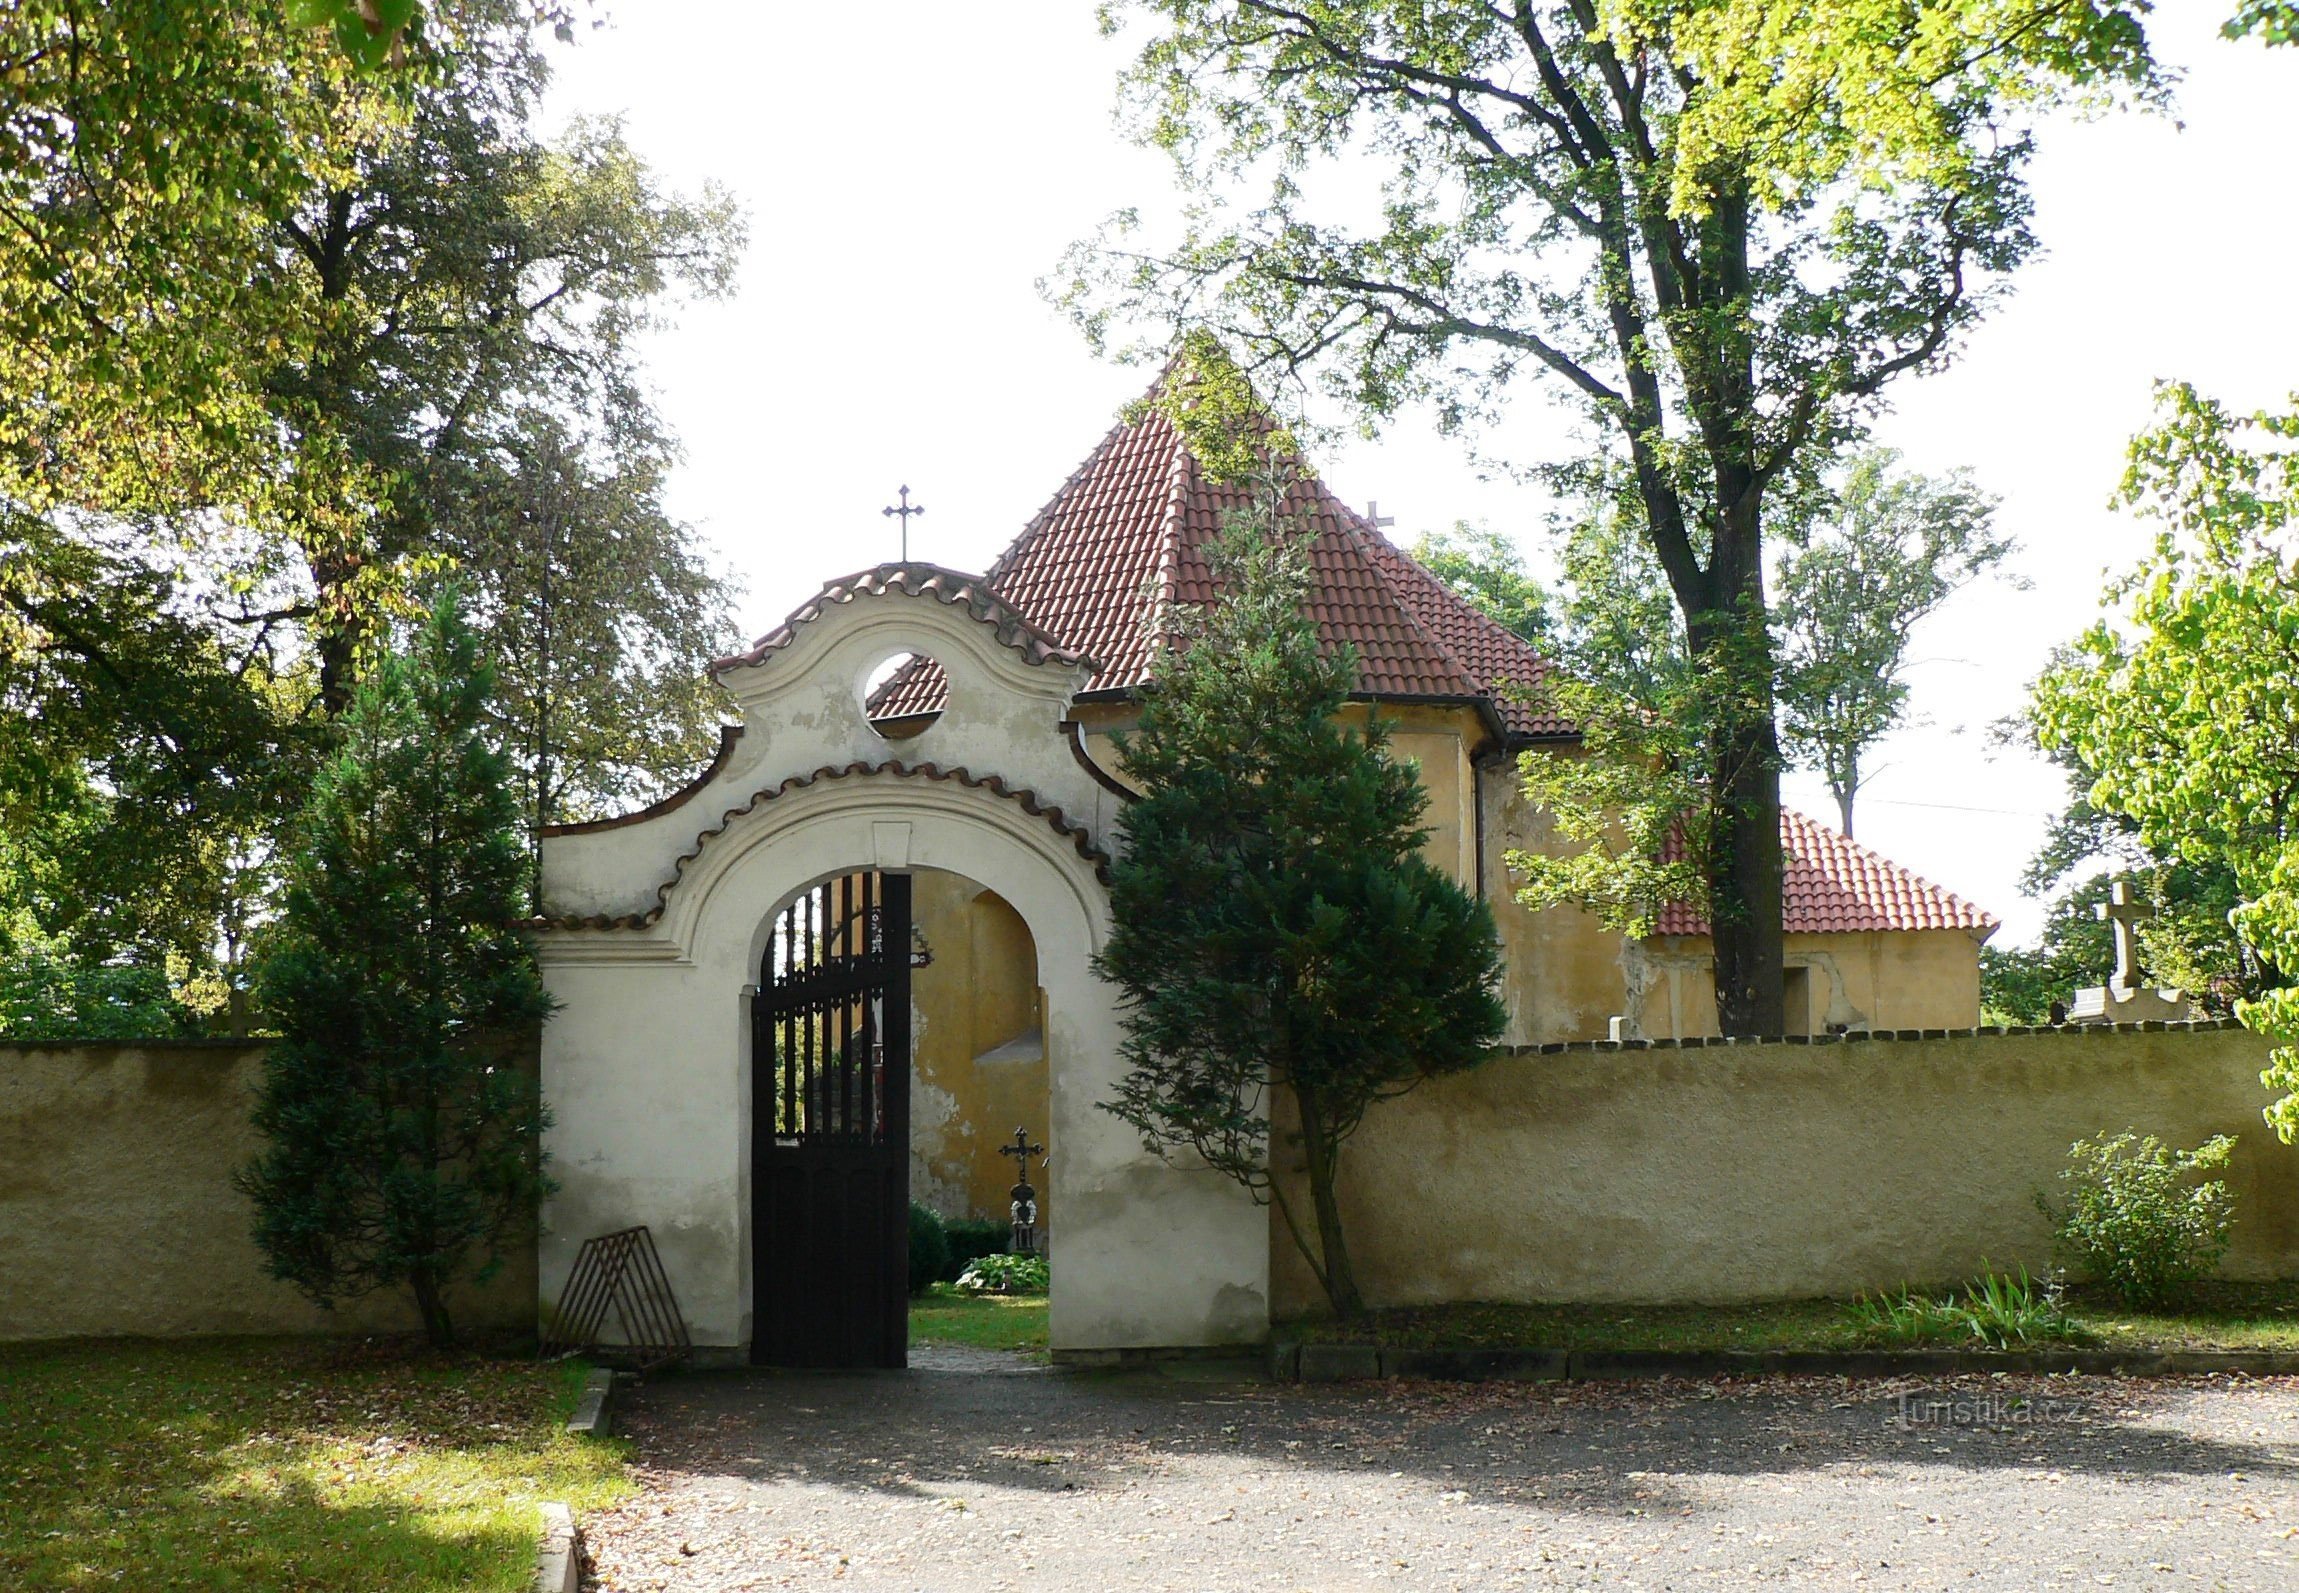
pixel 1834 885
pixel 1124 542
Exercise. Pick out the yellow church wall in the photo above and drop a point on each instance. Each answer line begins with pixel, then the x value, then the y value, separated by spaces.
pixel 979 1068
pixel 1437 740
pixel 1928 979
pixel 1565 974
pixel 1568 976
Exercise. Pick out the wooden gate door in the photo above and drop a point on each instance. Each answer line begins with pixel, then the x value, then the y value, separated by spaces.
pixel 830 1175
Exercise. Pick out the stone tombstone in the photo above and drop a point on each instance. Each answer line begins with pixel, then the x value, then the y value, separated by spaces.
pixel 2124 998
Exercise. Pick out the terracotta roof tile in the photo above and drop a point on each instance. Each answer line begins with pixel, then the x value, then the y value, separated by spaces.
pixel 969 592
pixel 1125 540
pixel 1834 885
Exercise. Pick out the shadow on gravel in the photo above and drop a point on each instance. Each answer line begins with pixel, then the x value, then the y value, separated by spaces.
pixel 1595 1447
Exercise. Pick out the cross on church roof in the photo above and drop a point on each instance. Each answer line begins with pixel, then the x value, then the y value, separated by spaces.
pixel 906 511
pixel 2125 912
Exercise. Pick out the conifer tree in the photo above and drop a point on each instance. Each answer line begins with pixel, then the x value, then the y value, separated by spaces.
pixel 1275 926
pixel 402 1132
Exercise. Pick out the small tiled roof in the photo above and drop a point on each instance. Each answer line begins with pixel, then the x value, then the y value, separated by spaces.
pixel 1834 885
pixel 1124 542
pixel 969 592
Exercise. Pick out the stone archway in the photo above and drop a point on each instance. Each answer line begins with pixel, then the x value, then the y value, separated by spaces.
pixel 663 920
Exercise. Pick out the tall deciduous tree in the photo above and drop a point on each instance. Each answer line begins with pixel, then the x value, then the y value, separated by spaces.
pixel 463 276
pixel 1724 227
pixel 276 333
pixel 401 1123
pixel 1274 925
pixel 599 609
pixel 1888 549
pixel 2186 710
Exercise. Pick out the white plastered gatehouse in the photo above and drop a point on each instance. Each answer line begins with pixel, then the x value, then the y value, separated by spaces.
pixel 662 923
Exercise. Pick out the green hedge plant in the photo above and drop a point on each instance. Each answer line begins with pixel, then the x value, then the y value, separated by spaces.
pixel 2135 1219
pixel 929 1248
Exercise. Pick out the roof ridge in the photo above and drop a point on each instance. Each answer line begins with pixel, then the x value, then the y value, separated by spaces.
pixel 913 579
pixel 1840 838
pixel 1352 525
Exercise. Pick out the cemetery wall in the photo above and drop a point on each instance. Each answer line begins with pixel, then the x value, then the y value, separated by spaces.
pixel 118 1216
pixel 1714 1172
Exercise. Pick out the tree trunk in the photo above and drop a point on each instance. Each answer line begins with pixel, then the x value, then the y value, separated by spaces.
pixel 1323 1155
pixel 1734 645
pixel 432 1302
pixel 1744 865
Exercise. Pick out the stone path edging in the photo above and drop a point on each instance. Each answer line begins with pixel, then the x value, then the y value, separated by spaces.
pixel 1337 1363
pixel 559 1557
pixel 594 1415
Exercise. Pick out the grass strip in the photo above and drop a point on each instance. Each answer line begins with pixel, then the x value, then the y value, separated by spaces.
pixel 260 1464
pixel 2218 1316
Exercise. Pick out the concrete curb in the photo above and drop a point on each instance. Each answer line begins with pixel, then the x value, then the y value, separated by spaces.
pixel 595 1409
pixel 1340 1363
pixel 559 1557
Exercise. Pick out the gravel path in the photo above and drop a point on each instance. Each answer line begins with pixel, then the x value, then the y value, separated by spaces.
pixel 976 1471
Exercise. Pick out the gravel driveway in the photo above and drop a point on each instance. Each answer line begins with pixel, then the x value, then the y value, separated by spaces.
pixel 979 1471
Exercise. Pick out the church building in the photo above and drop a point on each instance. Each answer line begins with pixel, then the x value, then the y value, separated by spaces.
pixel 925 784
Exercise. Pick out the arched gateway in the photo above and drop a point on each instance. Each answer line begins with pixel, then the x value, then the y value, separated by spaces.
pixel 665 924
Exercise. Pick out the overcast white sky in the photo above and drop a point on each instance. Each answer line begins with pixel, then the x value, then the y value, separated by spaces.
pixel 907 185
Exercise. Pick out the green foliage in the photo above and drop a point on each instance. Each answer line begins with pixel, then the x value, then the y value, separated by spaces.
pixel 2271 21
pixel 1276 928
pixel 2134 1222
pixel 1487 572
pixel 47 994
pixel 1628 808
pixel 929 1248
pixel 2186 712
pixel 2000 1310
pixel 142 760
pixel 1006 1274
pixel 971 1238
pixel 400 1116
pixel 2187 944
pixel 1722 228
pixel 1885 549
pixel 399 345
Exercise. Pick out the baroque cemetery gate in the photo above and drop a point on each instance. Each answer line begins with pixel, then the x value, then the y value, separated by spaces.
pixel 830 1131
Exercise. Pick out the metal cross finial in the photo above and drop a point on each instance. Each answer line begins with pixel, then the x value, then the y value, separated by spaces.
pixel 1024 1240
pixel 2125 912
pixel 906 511
pixel 1375 518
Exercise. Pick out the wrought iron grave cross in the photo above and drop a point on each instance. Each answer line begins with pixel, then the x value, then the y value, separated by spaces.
pixel 2125 912
pixel 905 512
pixel 1025 1197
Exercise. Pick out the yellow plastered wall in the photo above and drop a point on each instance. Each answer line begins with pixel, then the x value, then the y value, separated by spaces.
pixel 1567 976
pixel 1773 1170
pixel 1923 979
pixel 118 1215
pixel 978 1057
pixel 1438 741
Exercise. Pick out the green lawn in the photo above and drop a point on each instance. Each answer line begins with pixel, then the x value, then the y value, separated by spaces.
pixel 255 1465
pixel 943 1315
pixel 2224 1316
